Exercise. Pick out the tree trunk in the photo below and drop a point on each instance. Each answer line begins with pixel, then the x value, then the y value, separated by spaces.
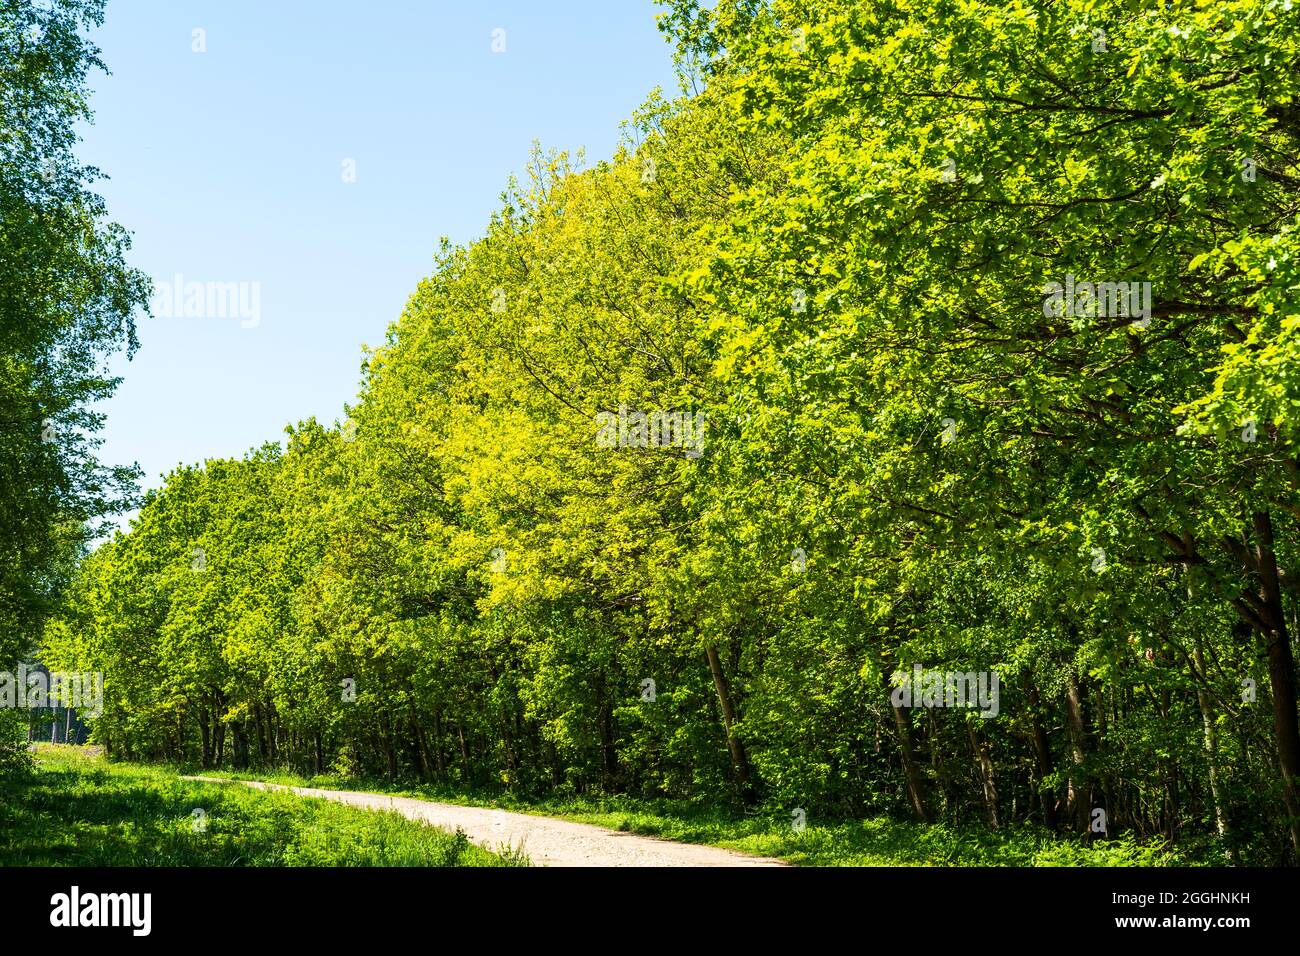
pixel 206 734
pixel 907 753
pixel 273 733
pixel 386 745
pixel 985 764
pixel 1042 758
pixel 1079 794
pixel 608 754
pixel 437 744
pixel 219 731
pixel 1281 673
pixel 464 752
pixel 739 759
pixel 1211 745
pixel 420 751
pixel 241 746
pixel 259 727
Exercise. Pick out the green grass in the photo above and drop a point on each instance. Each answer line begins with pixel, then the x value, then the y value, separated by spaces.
pixel 82 810
pixel 879 841
pixel 79 810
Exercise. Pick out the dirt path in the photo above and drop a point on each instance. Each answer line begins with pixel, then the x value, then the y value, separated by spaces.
pixel 546 840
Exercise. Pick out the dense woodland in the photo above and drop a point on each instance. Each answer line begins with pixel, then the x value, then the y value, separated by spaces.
pixel 833 250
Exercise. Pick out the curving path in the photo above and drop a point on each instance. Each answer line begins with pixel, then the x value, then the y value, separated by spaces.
pixel 546 840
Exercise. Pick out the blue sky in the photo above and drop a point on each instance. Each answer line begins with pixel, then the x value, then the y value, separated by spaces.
pixel 228 166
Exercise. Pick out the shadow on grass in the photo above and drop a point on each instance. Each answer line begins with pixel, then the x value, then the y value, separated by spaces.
pixel 76 811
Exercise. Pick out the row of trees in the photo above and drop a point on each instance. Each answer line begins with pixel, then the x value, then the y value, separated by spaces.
pixel 67 300
pixel 834 254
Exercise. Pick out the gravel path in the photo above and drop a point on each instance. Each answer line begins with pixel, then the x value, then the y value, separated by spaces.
pixel 546 840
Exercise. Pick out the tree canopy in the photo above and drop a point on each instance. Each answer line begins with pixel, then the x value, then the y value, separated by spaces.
pixel 935 333
pixel 67 301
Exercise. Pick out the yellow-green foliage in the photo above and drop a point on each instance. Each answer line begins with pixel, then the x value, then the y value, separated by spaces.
pixel 839 253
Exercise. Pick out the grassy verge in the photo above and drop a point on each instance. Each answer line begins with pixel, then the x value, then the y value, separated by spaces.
pixel 79 810
pixel 878 841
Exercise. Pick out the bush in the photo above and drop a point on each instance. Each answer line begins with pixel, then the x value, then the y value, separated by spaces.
pixel 15 755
